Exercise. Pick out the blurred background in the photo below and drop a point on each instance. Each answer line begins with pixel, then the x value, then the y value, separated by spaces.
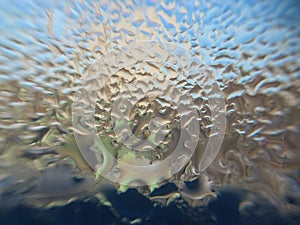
pixel 252 48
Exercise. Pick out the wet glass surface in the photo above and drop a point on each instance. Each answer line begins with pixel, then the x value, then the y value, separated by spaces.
pixel 243 52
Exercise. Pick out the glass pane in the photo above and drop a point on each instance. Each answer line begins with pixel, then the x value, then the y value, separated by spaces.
pixel 135 110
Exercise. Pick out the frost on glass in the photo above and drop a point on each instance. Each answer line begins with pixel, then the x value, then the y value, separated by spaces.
pixel 251 48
